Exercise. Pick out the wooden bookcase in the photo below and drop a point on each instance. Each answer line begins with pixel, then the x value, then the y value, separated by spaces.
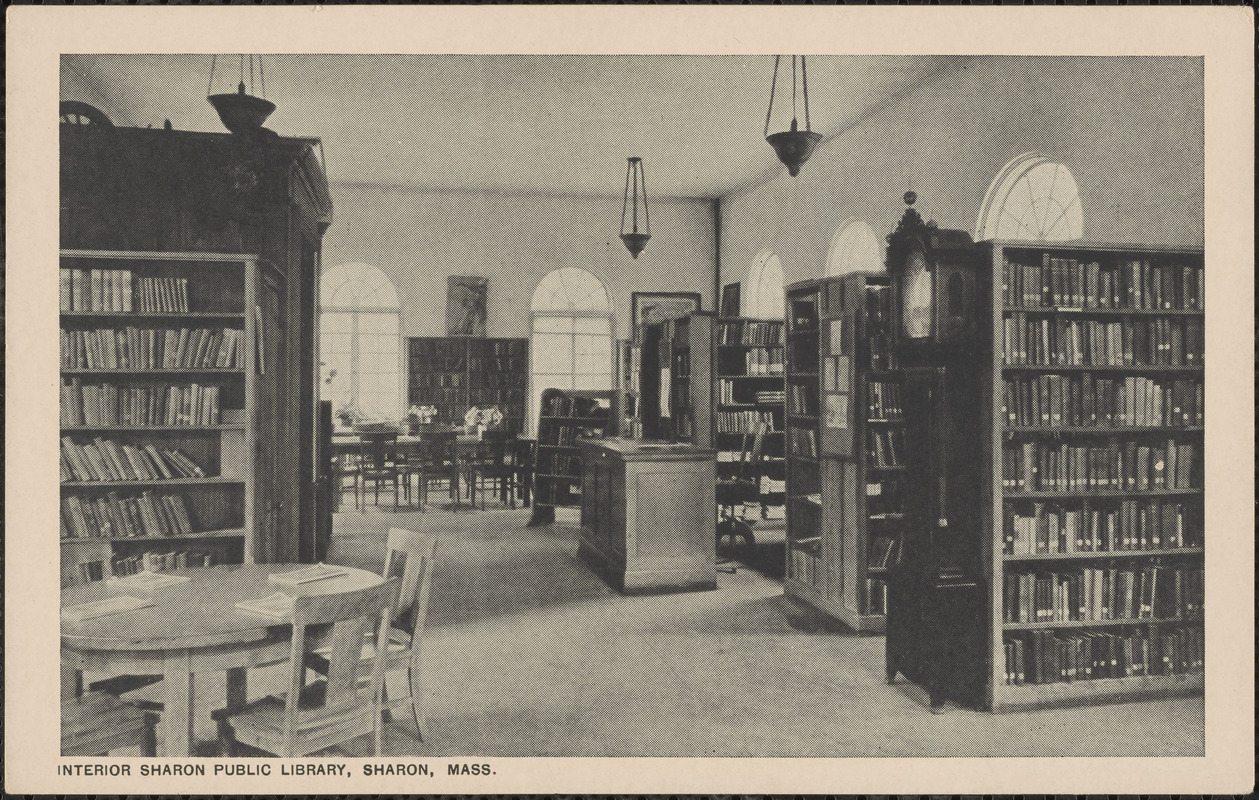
pixel 676 380
pixel 845 398
pixel 629 365
pixel 454 373
pixel 159 351
pixel 1092 471
pixel 749 367
pixel 845 447
pixel 564 417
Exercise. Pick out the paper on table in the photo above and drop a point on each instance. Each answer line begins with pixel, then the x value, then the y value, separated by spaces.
pixel 148 580
pixel 103 608
pixel 276 606
pixel 315 572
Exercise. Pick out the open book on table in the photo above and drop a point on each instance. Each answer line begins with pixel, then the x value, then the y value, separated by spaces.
pixel 103 608
pixel 315 572
pixel 275 606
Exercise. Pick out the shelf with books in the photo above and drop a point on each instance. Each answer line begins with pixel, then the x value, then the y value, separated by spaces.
pixel 159 371
pixel 1095 397
pixel 454 373
pixel 676 380
pixel 565 417
pixel 845 446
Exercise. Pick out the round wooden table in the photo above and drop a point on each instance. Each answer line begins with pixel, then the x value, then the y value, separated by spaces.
pixel 191 627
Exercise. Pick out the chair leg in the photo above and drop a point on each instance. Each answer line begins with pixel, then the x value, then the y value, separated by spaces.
pixel 417 709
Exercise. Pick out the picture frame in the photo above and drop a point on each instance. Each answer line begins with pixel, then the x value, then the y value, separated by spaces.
pixel 731 299
pixel 650 308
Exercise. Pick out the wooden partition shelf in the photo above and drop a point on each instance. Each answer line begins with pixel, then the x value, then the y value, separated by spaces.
pixel 454 373
pixel 676 380
pixel 566 416
pixel 160 379
pixel 845 447
pixel 1093 472
pixel 749 367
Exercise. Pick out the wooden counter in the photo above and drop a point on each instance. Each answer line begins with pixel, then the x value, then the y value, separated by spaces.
pixel 648 514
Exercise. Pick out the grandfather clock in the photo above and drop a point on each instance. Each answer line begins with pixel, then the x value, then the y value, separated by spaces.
pixel 936 623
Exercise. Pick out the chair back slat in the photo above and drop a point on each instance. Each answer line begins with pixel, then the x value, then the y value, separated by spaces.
pixel 409 557
pixel 341 621
pixel 377 449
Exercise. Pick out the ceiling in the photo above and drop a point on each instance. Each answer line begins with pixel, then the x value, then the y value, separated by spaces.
pixel 501 123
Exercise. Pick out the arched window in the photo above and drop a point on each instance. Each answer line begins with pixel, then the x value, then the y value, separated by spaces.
pixel 1032 198
pixel 358 341
pixel 855 248
pixel 765 284
pixel 571 347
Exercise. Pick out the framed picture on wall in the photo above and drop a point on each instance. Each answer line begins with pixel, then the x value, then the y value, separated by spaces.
pixel 652 307
pixel 465 305
pixel 730 299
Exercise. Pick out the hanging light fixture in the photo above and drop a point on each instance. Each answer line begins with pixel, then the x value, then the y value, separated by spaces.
pixel 794 146
pixel 240 112
pixel 634 240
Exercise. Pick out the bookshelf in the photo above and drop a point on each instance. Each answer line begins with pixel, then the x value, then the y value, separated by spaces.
pixel 629 363
pixel 566 416
pixel 160 379
pixel 454 373
pixel 749 387
pixel 676 380
pixel 1092 484
pixel 843 402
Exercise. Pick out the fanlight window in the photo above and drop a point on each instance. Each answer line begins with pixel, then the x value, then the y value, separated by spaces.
pixel 571 344
pixel 855 248
pixel 1032 198
pixel 568 290
pixel 359 341
pixel 766 298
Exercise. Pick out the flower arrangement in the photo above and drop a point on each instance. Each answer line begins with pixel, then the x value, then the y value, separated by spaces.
pixel 349 414
pixel 421 415
pixel 481 417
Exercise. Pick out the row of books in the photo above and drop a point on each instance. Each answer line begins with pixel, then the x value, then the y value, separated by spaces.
pixel 504 397
pixel 881 552
pixel 1128 284
pixel 746 332
pixel 884 400
pixel 144 514
pixel 563 405
pixel 885 448
pixel 153 561
pixel 804 565
pixel 1039 657
pixel 437 380
pixel 552 463
pixel 682 365
pixel 1134 525
pixel 1161 341
pixel 119 290
pixel 802 442
pixel 771 397
pixel 428 351
pixel 801 399
pixel 502 379
pixel 110 404
pixel 879 339
pixel 743 421
pixel 516 366
pixel 497 348
pixel 1090 401
pixel 427 396
pixel 763 361
pixel 1044 467
pixel 107 460
pixel 148 348
pixel 1100 594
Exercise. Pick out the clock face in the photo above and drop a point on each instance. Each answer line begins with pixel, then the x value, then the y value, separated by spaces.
pixel 916 300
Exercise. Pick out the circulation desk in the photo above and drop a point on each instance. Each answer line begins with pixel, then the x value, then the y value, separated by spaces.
pixel 648 514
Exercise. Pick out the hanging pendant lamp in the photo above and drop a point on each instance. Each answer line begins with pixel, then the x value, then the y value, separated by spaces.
pixel 792 146
pixel 240 112
pixel 634 240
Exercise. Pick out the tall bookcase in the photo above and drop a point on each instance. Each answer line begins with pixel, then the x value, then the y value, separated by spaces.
pixel 161 373
pixel 1092 485
pixel 454 373
pixel 749 367
pixel 564 417
pixel 676 380
pixel 845 447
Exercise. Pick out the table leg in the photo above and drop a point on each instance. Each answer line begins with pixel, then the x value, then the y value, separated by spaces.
pixel 177 716
pixel 237 688
pixel 71 682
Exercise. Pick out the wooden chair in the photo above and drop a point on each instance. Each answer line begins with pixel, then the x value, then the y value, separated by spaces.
pixel 408 557
pixel 95 723
pixel 743 489
pixel 377 463
pixel 523 457
pixel 435 461
pixel 342 706
pixel 496 463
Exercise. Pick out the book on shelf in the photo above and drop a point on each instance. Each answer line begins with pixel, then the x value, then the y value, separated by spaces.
pixel 876 596
pixel 748 332
pixel 883 401
pixel 315 572
pixel 112 515
pixel 277 605
pixel 121 604
pixel 148 580
pixel 115 404
pixel 153 561
pixel 802 399
pixel 1048 656
pixel 1090 400
pixel 802 442
pixel 149 348
pixel 107 460
pixel 90 571
pixel 884 448
pixel 1159 284
pixel 1126 526
pixel 1101 594
pixel 743 421
pixel 1115 466
pixel 880 554
pixel 107 290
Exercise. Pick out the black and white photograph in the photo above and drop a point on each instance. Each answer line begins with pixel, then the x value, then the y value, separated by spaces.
pixel 428 409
